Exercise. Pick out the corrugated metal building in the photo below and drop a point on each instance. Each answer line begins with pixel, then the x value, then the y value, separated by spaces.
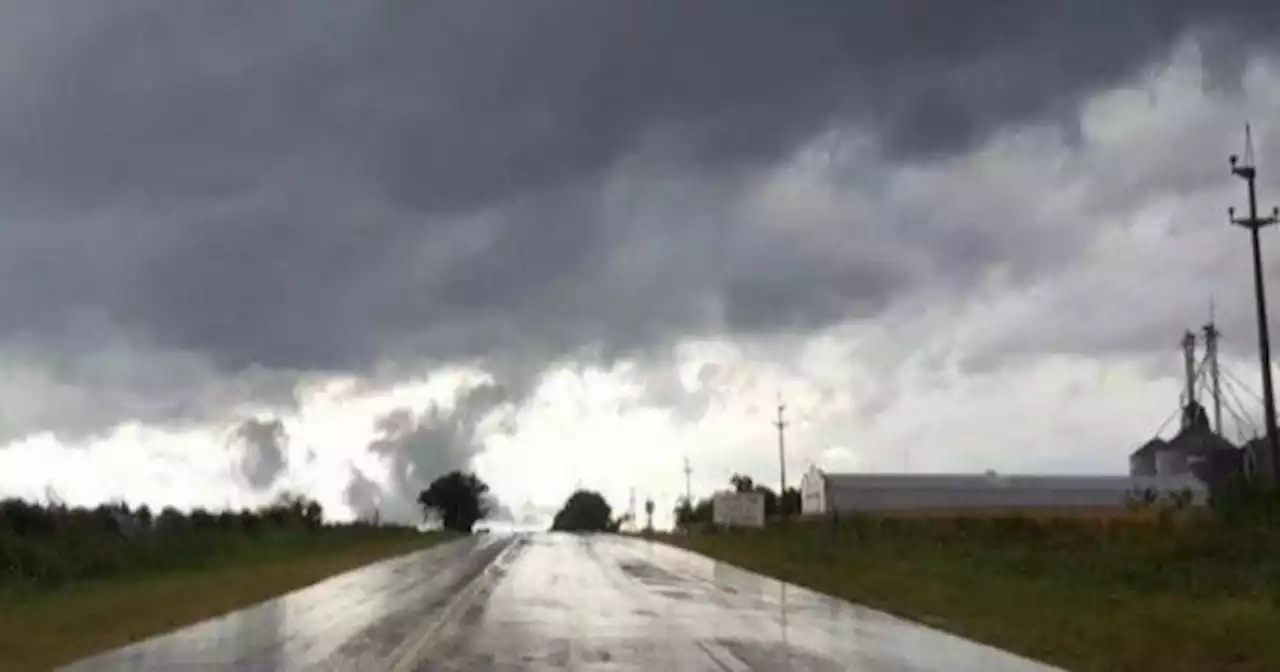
pixel 822 492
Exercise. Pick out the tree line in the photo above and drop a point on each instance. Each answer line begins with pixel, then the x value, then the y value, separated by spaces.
pixel 44 545
pixel 50 544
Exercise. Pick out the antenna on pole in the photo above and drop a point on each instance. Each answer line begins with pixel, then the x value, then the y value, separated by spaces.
pixel 1249 173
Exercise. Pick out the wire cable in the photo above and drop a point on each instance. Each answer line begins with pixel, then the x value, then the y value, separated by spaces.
pixel 1166 422
pixel 1244 421
pixel 1230 376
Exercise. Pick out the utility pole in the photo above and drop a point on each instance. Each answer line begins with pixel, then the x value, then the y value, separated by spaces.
pixel 631 508
pixel 1248 172
pixel 782 458
pixel 688 487
pixel 1211 335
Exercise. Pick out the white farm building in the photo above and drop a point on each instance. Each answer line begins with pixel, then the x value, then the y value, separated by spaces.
pixel 823 492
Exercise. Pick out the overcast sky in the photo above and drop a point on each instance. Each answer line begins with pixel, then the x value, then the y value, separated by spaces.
pixel 342 248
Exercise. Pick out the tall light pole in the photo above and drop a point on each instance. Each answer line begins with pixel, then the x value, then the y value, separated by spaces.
pixel 1246 171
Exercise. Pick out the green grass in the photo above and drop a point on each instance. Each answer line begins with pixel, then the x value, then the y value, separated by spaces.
pixel 42 625
pixel 1084 595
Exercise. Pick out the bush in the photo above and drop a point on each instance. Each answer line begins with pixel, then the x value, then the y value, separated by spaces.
pixel 1244 501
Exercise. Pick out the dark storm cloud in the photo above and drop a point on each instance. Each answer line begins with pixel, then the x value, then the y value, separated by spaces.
pixel 82 382
pixel 424 444
pixel 663 388
pixel 363 495
pixel 320 186
pixel 263 444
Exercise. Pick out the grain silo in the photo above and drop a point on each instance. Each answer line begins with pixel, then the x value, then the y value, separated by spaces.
pixel 1201 452
pixel 1142 462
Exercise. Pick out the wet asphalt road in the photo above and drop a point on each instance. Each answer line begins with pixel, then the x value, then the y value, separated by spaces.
pixel 556 602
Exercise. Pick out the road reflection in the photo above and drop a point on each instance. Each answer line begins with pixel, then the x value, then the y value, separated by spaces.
pixel 605 602
pixel 558 602
pixel 355 621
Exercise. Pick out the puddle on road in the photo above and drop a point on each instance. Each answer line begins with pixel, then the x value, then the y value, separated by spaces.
pixel 650 574
pixel 756 655
pixel 674 594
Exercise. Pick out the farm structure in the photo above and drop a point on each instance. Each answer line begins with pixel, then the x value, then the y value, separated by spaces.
pixel 1184 468
pixel 822 492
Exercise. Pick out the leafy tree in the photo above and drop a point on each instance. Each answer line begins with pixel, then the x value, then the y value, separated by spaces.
pixel 313 514
pixel 584 511
pixel 201 520
pixel 144 516
pixel 690 515
pixel 791 502
pixel 171 520
pixel 292 509
pixel 770 500
pixel 457 498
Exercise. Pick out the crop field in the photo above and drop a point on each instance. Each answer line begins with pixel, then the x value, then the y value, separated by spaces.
pixel 1114 590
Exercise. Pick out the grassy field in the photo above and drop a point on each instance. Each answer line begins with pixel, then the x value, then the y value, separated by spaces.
pixel 75 581
pixel 1108 593
pixel 44 627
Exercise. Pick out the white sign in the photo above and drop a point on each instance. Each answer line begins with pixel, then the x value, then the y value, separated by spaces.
pixel 738 509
